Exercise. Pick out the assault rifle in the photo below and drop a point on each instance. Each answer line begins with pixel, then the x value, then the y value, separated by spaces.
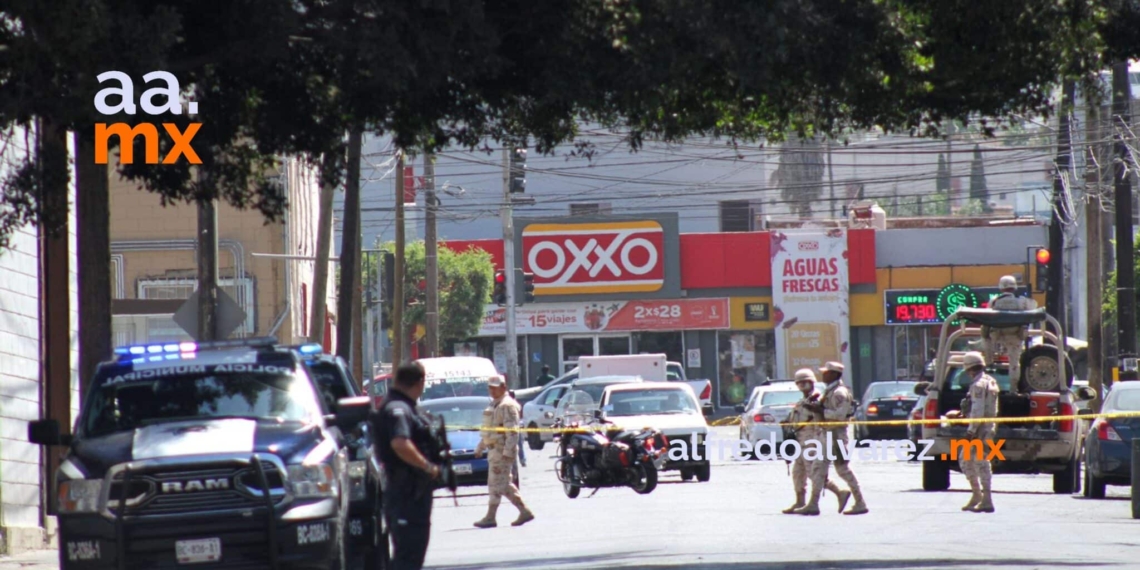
pixel 442 452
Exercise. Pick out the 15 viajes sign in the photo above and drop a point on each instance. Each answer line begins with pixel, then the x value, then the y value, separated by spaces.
pixel 610 316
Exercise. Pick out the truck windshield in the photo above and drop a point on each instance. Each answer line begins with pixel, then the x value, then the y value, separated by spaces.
pixel 455 387
pixel 131 404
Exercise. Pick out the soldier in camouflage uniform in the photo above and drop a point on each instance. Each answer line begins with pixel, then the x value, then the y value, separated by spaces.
pixel 1011 339
pixel 835 406
pixel 501 442
pixel 801 468
pixel 981 402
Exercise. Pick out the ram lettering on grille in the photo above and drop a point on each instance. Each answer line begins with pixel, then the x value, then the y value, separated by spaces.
pixel 195 485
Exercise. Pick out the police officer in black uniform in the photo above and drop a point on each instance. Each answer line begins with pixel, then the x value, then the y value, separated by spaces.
pixel 402 438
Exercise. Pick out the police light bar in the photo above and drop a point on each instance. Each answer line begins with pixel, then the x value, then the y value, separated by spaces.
pixel 311 348
pixel 176 348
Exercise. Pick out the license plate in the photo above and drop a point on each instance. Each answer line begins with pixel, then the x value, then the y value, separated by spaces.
pixel 198 551
pixel 899 412
pixel 463 469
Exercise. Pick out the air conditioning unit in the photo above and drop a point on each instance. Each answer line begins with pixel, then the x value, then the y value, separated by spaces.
pixel 867 215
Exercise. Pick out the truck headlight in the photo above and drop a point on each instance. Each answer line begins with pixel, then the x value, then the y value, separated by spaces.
pixel 357 480
pixel 312 481
pixel 80 495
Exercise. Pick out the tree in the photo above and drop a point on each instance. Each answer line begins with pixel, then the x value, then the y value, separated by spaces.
pixel 978 190
pixel 799 175
pixel 464 290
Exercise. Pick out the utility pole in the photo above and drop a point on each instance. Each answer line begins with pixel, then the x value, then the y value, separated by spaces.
pixel 431 261
pixel 398 285
pixel 830 179
pixel 1125 264
pixel 207 264
pixel 319 311
pixel 507 214
pixel 1055 290
pixel 348 292
pixel 1094 261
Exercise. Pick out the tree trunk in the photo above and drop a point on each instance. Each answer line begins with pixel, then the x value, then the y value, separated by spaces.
pixel 349 286
pixel 93 218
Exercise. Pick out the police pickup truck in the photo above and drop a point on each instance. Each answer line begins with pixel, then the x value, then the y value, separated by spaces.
pixel 219 454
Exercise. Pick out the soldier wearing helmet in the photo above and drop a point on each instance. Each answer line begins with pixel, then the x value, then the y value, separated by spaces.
pixel 1010 339
pixel 798 421
pixel 835 405
pixel 981 402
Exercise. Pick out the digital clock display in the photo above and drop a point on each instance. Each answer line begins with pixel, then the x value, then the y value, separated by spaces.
pixel 921 306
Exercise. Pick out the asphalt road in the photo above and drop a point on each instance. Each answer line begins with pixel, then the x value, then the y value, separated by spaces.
pixel 734 522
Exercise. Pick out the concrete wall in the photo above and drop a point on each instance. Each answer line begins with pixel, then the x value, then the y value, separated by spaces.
pixel 957 246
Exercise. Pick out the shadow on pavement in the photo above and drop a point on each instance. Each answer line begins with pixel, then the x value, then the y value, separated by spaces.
pixel 608 561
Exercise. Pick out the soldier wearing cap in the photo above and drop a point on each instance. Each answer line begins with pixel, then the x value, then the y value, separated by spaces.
pixel 835 405
pixel 981 402
pixel 1011 339
pixel 501 442
pixel 800 415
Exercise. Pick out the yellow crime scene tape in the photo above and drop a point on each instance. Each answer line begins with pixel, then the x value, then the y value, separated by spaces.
pixel 735 420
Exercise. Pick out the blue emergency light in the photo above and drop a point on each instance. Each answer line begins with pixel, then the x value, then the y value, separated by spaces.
pixel 174 350
pixel 311 348
pixel 164 348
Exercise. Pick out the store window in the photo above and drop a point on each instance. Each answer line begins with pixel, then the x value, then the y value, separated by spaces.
pixel 576 346
pixel 914 348
pixel 746 359
pixel 669 343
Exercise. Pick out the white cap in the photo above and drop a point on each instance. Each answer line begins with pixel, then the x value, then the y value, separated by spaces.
pixel 832 367
pixel 1007 282
pixel 805 375
pixel 972 359
pixel 497 381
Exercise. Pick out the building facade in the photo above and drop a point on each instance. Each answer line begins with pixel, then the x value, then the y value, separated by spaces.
pixel 743 308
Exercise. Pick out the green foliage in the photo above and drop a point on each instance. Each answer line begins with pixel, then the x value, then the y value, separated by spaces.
pixel 464 289
pixel 978 191
pixel 1109 303
pixel 973 208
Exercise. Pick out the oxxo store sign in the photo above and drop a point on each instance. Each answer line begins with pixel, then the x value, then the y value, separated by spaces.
pixel 632 258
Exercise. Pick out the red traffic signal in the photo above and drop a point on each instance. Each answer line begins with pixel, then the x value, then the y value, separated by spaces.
pixel 499 293
pixel 1043 256
pixel 500 277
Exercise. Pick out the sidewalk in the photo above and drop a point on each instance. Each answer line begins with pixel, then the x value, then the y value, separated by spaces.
pixel 36 560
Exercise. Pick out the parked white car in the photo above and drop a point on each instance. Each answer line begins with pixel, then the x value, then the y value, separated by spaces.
pixel 577 398
pixel 768 406
pixel 670 407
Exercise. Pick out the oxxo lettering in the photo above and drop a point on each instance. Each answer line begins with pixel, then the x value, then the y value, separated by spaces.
pixel 125 91
pixel 571 258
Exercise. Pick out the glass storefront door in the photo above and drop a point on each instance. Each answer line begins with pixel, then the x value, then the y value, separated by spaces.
pixel 914 348
pixel 575 346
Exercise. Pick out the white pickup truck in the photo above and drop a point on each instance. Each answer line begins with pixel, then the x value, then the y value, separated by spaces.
pixel 651 368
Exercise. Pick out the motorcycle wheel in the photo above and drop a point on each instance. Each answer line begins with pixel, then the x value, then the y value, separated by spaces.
pixel 570 489
pixel 647 482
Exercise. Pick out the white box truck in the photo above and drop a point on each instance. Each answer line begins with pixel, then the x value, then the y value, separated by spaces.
pixel 651 367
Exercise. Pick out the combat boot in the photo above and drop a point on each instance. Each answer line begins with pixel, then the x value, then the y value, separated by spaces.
pixel 489 520
pixel 525 515
pixel 987 504
pixel 799 503
pixel 841 495
pixel 859 507
pixel 975 497
pixel 812 508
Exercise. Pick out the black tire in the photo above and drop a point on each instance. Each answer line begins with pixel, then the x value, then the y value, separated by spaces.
pixel 1065 481
pixel 686 474
pixel 570 489
pixel 648 481
pixel 704 472
pixel 534 439
pixel 1094 486
pixel 935 475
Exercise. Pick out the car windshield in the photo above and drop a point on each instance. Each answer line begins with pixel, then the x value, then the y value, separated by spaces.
pixel 455 388
pixel 780 398
pixel 331 382
pixel 892 390
pixel 651 402
pixel 464 415
pixel 957 379
pixel 129 404
pixel 1124 400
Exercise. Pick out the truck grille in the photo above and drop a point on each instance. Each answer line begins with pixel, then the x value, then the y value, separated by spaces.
pixel 214 488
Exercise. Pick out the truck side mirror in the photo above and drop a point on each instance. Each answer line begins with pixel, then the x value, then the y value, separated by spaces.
pixel 1086 393
pixel 599 415
pixel 351 412
pixel 47 432
pixel 921 388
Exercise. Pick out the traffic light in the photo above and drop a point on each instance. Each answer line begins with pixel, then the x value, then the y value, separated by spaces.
pixel 518 171
pixel 1042 257
pixel 528 287
pixel 499 294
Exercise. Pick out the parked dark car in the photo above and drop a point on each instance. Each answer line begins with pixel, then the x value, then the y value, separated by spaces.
pixel 1108 445
pixel 885 401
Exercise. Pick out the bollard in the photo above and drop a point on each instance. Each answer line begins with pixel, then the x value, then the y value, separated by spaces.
pixel 1136 478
